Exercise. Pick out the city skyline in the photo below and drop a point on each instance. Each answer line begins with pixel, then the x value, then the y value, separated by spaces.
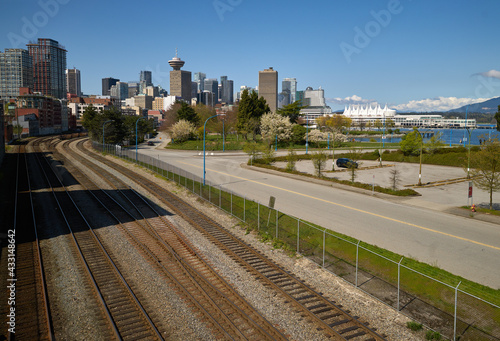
pixel 414 56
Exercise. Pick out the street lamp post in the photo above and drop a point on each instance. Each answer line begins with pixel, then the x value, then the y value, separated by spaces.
pixel 140 118
pixel 103 132
pixel 420 169
pixel 204 128
pixel 468 156
pixel 223 135
pixel 307 133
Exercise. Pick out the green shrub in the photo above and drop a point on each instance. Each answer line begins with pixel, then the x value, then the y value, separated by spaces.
pixel 414 326
pixel 431 335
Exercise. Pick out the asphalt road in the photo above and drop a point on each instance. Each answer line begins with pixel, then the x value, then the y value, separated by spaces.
pixel 416 227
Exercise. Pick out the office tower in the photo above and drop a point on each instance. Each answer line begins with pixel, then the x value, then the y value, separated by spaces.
pixel 73 82
pixel 49 67
pixel 133 89
pixel 289 85
pixel 16 71
pixel 180 80
pixel 223 80
pixel 107 83
pixel 199 78
pixel 268 87
pixel 119 90
pixel 227 92
pixel 146 76
pixel 212 85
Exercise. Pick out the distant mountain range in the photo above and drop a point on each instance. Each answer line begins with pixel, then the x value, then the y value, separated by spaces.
pixel 487 107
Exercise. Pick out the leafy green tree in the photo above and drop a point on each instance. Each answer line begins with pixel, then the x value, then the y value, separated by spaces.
pixel 378 124
pixel 485 167
pixel 186 112
pixel 250 110
pixel 143 127
pixel 334 123
pixel 90 121
pixel 497 118
pixel 298 134
pixel 411 143
pixel 292 111
pixel 389 123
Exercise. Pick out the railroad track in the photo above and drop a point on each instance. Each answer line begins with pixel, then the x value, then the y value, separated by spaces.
pixel 229 314
pixel 329 316
pixel 125 316
pixel 29 303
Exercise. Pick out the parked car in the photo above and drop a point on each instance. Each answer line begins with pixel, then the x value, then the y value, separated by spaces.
pixel 151 143
pixel 346 163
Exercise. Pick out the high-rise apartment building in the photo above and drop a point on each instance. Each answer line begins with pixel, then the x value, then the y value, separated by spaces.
pixel 73 82
pixel 180 80
pixel 199 78
pixel 268 87
pixel 16 71
pixel 49 67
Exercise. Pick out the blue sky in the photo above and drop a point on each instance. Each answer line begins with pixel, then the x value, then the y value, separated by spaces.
pixel 413 55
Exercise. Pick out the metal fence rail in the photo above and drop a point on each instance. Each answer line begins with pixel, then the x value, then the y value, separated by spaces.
pixel 441 306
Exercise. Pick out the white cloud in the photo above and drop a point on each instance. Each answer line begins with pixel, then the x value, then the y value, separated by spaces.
pixel 491 73
pixel 354 99
pixel 436 104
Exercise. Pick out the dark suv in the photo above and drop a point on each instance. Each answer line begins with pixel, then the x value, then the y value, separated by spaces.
pixel 346 163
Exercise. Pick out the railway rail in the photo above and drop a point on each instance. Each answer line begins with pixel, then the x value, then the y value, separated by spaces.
pixel 125 316
pixel 230 315
pixel 327 315
pixel 28 299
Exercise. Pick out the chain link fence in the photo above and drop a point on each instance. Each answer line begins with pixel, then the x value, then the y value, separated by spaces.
pixel 440 305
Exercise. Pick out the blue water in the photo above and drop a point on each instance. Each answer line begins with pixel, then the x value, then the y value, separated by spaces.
pixel 449 136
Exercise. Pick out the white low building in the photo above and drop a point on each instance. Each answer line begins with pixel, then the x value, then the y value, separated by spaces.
pixel 370 114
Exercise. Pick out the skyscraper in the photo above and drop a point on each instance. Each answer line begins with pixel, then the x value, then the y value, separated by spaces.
pixel 49 67
pixel 107 83
pixel 180 80
pixel 199 78
pixel 289 85
pixel 268 87
pixel 16 71
pixel 73 82
pixel 227 92
pixel 146 76
pixel 212 85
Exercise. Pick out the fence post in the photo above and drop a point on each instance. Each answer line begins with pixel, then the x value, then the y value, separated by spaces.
pixel 209 194
pixel 276 224
pixel 244 209
pixel 399 276
pixel 357 262
pixel 298 234
pixel 324 246
pixel 231 202
pixel 220 196
pixel 258 216
pixel 455 314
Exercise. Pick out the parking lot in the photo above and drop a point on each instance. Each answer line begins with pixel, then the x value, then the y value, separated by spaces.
pixel 439 190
